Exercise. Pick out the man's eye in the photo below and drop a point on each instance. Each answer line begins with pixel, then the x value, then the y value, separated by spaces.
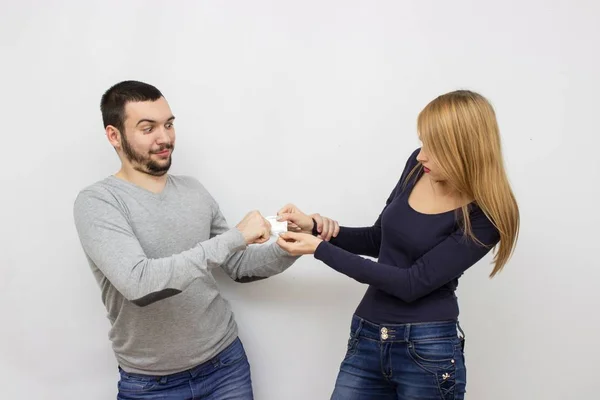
pixel 169 125
pixel 148 129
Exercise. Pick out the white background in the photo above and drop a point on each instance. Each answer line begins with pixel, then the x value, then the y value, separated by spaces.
pixel 313 102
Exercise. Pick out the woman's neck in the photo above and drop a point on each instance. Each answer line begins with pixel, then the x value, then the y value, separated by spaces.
pixel 444 189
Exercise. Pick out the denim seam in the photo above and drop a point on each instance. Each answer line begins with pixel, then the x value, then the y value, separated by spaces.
pixel 401 340
pixel 383 363
pixel 413 355
pixel 435 375
pixel 383 341
pixel 429 341
pixel 430 323
pixel 352 349
pixel 141 387
pixel 356 333
pixel 234 361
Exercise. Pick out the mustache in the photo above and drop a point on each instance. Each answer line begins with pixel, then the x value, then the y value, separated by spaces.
pixel 163 148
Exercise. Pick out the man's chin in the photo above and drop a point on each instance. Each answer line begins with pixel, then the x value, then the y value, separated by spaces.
pixel 156 169
pixel 158 173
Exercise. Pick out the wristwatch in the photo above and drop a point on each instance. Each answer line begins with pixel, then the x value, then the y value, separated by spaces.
pixel 315 232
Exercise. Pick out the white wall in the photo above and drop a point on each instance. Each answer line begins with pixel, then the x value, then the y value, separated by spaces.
pixel 333 88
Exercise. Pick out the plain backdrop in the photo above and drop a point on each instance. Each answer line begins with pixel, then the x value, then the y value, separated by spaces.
pixel 311 102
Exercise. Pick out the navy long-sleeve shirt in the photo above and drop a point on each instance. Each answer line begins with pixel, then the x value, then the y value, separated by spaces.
pixel 420 258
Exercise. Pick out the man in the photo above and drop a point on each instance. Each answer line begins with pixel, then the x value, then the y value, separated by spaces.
pixel 151 239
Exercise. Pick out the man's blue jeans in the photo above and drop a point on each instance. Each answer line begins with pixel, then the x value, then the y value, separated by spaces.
pixel 226 376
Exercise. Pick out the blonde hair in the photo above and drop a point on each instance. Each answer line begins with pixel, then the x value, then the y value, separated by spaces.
pixel 460 132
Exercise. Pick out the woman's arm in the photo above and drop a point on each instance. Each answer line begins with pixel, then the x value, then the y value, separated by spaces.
pixel 363 240
pixel 440 265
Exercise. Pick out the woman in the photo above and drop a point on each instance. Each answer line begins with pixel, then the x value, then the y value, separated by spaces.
pixel 452 205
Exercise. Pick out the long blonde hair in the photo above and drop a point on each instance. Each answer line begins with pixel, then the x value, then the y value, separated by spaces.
pixel 460 132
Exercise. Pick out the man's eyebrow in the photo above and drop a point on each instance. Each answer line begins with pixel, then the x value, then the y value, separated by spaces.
pixel 171 118
pixel 145 120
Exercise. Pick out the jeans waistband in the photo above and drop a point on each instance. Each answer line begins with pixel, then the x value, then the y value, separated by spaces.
pixel 202 369
pixel 404 332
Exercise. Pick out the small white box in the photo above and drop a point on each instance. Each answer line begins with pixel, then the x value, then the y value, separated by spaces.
pixel 277 227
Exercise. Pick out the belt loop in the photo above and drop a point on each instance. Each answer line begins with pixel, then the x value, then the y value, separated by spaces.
pixel 407 332
pixel 361 322
pixel 460 330
pixel 162 380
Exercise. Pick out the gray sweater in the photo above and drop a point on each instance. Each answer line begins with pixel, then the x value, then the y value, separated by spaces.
pixel 152 256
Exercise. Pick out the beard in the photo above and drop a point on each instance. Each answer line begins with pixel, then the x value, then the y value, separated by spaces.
pixel 144 163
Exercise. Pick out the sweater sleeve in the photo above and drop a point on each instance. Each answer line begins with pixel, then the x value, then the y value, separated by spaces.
pixel 109 241
pixel 440 265
pixel 254 263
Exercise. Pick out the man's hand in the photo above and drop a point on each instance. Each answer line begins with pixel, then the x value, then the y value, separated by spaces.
pixel 255 228
pixel 297 220
pixel 298 244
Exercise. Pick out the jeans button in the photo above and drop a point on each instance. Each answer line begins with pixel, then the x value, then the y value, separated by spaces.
pixel 384 333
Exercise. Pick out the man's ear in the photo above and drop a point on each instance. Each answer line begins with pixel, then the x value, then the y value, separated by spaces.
pixel 114 136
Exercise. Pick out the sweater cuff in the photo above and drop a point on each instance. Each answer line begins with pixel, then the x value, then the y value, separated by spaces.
pixel 235 240
pixel 322 250
pixel 279 252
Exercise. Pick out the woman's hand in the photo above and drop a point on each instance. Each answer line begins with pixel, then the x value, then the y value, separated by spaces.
pixel 298 244
pixel 326 227
pixel 299 221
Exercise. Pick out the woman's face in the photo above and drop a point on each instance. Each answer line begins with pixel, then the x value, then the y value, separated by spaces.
pixel 430 166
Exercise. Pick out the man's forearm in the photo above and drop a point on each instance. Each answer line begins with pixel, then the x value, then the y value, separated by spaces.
pixel 257 262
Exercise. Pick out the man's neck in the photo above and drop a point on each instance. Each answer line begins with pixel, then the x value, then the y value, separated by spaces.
pixel 154 184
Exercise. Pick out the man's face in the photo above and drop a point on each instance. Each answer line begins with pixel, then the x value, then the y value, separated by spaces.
pixel 149 137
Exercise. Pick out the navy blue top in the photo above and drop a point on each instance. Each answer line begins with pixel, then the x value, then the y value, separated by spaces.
pixel 420 258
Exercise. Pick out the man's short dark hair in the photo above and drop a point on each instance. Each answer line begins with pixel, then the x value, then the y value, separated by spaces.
pixel 114 100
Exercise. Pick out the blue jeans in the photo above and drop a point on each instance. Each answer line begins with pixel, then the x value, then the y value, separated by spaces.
pixel 225 377
pixel 401 362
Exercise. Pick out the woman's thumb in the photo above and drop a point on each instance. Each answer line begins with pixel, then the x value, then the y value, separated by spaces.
pixel 286 217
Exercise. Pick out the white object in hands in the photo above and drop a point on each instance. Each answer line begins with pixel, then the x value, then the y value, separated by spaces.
pixel 277 227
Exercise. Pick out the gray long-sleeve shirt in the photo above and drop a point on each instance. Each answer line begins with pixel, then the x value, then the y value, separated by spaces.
pixel 151 255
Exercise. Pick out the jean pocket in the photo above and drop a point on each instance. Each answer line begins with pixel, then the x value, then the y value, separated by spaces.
pixel 133 384
pixel 232 354
pixel 434 351
pixel 437 357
